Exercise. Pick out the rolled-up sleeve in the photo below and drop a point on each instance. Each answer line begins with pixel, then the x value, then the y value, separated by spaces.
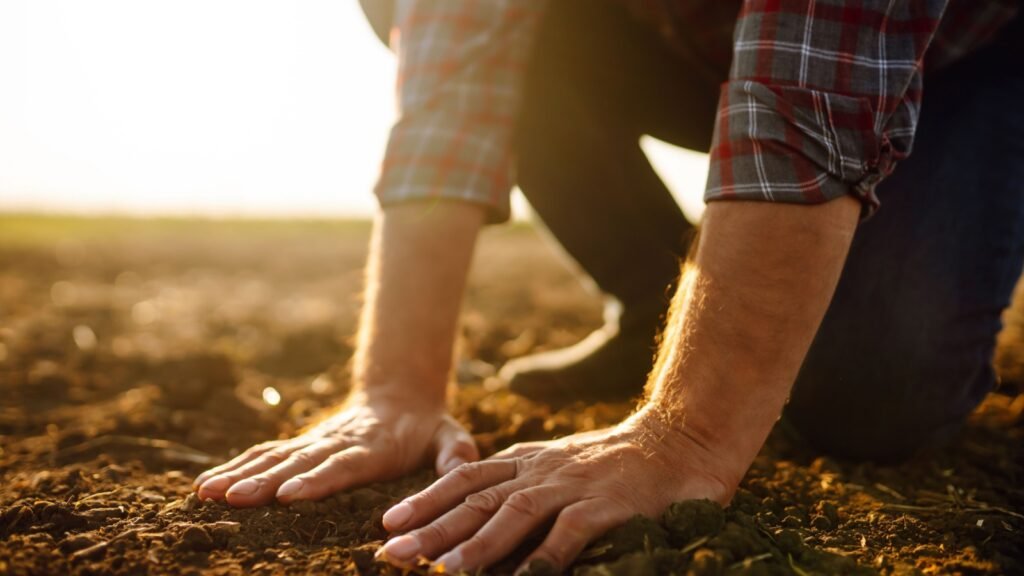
pixel 822 98
pixel 461 65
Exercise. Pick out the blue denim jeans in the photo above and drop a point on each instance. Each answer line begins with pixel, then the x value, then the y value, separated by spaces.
pixel 904 352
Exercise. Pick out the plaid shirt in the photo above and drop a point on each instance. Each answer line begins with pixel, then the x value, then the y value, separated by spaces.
pixel 821 101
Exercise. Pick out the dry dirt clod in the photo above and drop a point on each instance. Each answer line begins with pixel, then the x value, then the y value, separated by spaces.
pixel 196 538
pixel 789 541
pixel 830 511
pixel 78 542
pixel 222 532
pixel 687 521
pixel 16 516
pixel 190 503
pixel 639 534
pixel 151 497
pixel 368 498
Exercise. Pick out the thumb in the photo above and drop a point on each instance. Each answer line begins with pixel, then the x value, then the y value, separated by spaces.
pixel 454 446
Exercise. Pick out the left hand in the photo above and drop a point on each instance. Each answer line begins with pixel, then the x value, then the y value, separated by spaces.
pixel 588 483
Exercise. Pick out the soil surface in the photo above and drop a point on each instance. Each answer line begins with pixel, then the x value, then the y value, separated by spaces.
pixel 134 355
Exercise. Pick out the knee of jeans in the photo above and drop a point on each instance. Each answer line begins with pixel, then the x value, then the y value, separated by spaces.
pixel 552 135
pixel 887 412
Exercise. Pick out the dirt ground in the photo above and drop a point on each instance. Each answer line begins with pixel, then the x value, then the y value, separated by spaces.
pixel 133 355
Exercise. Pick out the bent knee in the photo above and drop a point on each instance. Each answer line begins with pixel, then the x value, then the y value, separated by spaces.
pixel 886 413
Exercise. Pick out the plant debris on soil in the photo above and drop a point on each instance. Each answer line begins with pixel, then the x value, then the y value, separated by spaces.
pixel 134 355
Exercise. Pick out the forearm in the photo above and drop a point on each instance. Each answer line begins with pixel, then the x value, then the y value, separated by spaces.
pixel 747 309
pixel 416 273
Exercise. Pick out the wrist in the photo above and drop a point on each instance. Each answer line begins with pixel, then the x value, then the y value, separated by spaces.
pixel 690 448
pixel 395 375
pixel 403 394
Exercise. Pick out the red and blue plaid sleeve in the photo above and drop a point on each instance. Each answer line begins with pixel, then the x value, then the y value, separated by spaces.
pixel 822 98
pixel 461 65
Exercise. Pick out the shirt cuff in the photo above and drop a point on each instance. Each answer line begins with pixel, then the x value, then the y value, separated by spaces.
pixel 795 145
pixel 436 162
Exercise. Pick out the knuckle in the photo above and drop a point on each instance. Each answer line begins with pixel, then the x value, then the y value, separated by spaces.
pixel 230 476
pixel 467 473
pixel 264 447
pixel 303 457
pixel 276 456
pixel 387 443
pixel 338 460
pixel 523 503
pixel 436 535
pixel 574 520
pixel 484 503
pixel 249 452
pixel 217 470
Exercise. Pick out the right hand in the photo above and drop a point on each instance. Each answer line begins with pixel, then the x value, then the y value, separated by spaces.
pixel 367 441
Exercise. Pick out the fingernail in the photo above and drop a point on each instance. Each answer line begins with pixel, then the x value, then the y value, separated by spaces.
pixel 450 562
pixel 216 485
pixel 453 463
pixel 290 488
pixel 245 488
pixel 200 479
pixel 397 516
pixel 402 548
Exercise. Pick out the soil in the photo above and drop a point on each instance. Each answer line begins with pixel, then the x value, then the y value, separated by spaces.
pixel 134 355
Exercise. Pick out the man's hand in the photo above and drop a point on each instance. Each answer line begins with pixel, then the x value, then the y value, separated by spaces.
pixel 588 483
pixel 396 418
pixel 743 318
pixel 367 441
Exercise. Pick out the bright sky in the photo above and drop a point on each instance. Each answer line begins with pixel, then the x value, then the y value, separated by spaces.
pixel 205 107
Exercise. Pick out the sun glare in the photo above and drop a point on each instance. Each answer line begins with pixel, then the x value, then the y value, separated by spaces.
pixel 215 108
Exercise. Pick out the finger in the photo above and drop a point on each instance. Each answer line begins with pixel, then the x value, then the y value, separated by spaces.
pixel 217 486
pixel 260 488
pixel 449 530
pixel 521 513
pixel 339 471
pixel 519 450
pixel 447 492
pixel 454 445
pixel 244 457
pixel 575 527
